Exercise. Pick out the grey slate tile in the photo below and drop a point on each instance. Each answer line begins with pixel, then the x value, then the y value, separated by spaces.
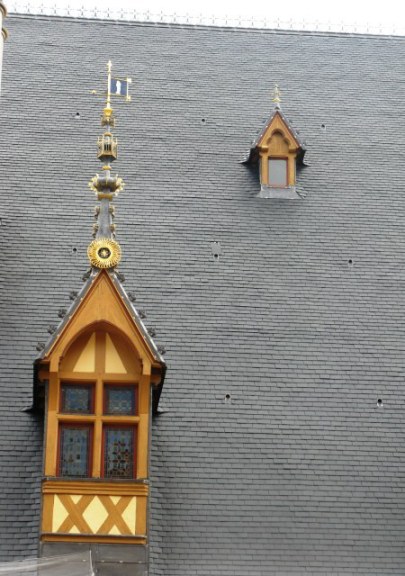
pixel 300 473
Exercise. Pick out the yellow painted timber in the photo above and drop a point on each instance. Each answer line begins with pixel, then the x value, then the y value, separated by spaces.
pixel 113 362
pixel 87 359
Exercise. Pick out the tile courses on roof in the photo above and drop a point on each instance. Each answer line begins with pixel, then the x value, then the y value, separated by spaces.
pixel 300 321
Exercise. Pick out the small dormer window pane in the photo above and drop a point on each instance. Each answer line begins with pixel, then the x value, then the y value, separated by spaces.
pixel 77 399
pixel 278 172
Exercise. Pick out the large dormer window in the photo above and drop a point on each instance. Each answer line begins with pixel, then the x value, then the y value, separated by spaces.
pixel 278 150
pixel 98 419
pixel 101 371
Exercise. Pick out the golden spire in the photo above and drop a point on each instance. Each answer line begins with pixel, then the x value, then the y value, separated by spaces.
pixel 104 251
pixel 276 95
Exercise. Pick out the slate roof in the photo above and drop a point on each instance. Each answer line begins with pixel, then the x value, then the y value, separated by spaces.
pixel 300 321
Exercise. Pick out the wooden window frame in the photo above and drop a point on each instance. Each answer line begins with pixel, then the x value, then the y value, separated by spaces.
pixel 134 429
pixel 97 380
pixel 97 421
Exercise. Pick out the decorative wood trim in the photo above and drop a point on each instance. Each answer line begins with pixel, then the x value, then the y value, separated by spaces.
pixel 277 124
pixel 141 514
pixel 138 539
pixel 90 418
pixel 76 418
pixel 51 444
pixel 100 515
pixel 143 427
pixel 98 432
pixel 103 487
pixel 75 511
pixel 47 512
pixel 101 304
pixel 86 377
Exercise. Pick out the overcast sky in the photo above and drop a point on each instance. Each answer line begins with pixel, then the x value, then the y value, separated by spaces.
pixel 379 17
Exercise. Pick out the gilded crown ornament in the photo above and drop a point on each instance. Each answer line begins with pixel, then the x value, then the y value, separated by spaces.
pixel 106 185
pixel 104 251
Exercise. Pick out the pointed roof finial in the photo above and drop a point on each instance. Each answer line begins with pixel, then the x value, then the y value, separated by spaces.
pixel 276 96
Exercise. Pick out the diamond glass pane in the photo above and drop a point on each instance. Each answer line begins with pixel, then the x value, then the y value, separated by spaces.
pixel 76 399
pixel 74 448
pixel 278 172
pixel 119 453
pixel 120 400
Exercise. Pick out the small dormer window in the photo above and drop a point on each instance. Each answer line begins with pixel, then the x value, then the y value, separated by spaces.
pixel 278 150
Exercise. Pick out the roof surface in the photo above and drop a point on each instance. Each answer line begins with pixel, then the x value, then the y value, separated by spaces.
pixel 300 321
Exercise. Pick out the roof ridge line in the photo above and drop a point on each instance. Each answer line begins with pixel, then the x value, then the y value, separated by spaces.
pixel 235 23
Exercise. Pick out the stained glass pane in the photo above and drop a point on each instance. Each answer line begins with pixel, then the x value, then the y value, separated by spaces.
pixel 120 400
pixel 119 453
pixel 76 399
pixel 277 172
pixel 74 451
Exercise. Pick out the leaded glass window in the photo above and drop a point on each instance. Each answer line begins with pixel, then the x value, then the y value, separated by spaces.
pixel 119 452
pixel 74 451
pixel 77 399
pixel 120 400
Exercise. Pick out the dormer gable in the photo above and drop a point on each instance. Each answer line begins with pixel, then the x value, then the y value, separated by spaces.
pixel 103 302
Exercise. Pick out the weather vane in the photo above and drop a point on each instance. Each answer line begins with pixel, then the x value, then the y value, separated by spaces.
pixel 115 87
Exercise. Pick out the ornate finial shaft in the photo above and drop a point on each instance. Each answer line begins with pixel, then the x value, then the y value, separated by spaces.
pixel 107 118
pixel 276 96
pixel 104 251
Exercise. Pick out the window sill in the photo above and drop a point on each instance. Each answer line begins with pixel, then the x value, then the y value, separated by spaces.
pixel 72 480
pixel 288 193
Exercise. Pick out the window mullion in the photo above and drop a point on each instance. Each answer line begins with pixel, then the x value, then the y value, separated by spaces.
pixel 98 429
